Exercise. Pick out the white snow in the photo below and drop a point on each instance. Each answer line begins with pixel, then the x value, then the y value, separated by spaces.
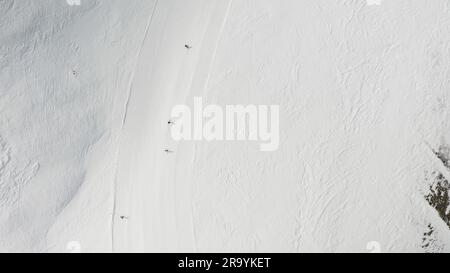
pixel 86 93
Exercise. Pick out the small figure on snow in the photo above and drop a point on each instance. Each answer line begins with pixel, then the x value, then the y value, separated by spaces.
pixel 187 46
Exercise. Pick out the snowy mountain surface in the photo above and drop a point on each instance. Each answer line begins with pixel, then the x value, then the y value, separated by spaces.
pixel 88 163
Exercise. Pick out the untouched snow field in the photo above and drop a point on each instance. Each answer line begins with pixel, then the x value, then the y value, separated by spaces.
pixel 86 93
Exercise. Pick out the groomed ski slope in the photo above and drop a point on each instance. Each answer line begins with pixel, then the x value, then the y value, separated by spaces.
pixel 86 94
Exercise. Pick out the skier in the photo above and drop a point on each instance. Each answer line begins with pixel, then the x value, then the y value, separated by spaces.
pixel 168 151
pixel 187 46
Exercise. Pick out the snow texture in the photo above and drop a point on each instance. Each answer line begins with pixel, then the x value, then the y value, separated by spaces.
pixel 86 93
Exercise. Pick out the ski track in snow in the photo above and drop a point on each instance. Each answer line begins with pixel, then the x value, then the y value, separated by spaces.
pixel 86 92
pixel 130 93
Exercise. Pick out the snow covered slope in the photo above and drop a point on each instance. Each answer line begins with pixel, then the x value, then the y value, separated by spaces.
pixel 86 92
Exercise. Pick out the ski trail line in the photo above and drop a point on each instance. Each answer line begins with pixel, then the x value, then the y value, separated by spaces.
pixel 130 91
pixel 205 87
